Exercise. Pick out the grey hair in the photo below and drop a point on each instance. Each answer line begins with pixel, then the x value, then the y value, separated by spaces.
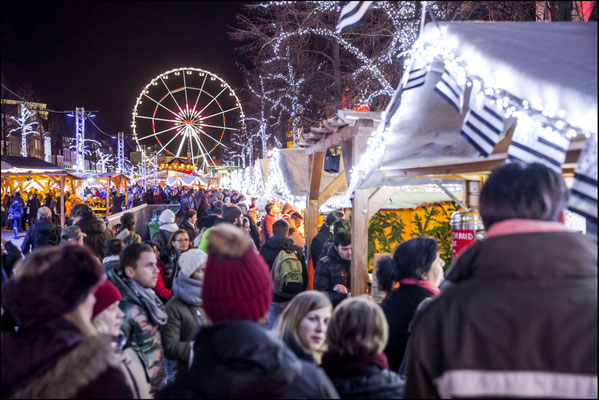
pixel 44 212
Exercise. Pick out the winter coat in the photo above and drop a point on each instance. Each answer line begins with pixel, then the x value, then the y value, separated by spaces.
pixel 191 229
pixel 133 368
pixel 242 359
pixel 15 211
pixel 267 227
pixel 271 250
pixel 96 232
pixel 180 330
pixel 128 237
pixel 111 263
pixel 9 260
pixel 33 205
pixel 43 233
pixel 330 271
pixel 363 379
pixel 140 331
pixel 324 233
pixel 55 360
pixel 399 307
pixel 517 319
pixel 117 203
pixel 161 238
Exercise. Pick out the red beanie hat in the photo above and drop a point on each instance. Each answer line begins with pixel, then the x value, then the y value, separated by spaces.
pixel 237 281
pixel 106 294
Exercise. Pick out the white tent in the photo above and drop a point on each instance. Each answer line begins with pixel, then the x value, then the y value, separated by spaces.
pixel 553 66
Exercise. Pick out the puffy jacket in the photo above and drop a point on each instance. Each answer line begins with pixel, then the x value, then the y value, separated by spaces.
pixel 191 229
pixel 330 271
pixel 324 233
pixel 399 307
pixel 271 250
pixel 43 233
pixel 179 331
pixel 129 237
pixel 96 232
pixel 519 319
pixel 242 359
pixel 55 360
pixel 143 335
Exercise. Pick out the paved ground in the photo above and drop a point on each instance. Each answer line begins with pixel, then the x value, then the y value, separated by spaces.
pixel 9 235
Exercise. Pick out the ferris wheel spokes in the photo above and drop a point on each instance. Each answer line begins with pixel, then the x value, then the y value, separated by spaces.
pixel 158 133
pixel 213 99
pixel 161 105
pixel 218 142
pixel 222 112
pixel 200 92
pixel 169 92
pixel 157 119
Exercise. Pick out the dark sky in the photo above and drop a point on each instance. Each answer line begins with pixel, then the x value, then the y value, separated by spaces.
pixel 99 55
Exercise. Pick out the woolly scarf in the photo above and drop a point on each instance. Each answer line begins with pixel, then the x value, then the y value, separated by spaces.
pixel 335 365
pixel 187 289
pixel 149 299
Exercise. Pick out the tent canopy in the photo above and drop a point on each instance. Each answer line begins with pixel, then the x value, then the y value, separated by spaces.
pixel 18 164
pixel 550 64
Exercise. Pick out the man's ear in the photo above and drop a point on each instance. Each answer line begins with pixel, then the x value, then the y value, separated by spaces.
pixel 561 217
pixel 129 272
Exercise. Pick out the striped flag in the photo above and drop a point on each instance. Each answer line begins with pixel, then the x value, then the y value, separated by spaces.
pixel 450 90
pixel 483 127
pixel 532 144
pixel 583 194
pixel 351 15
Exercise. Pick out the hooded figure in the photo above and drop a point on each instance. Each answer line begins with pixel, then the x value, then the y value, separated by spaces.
pixel 166 229
pixel 237 356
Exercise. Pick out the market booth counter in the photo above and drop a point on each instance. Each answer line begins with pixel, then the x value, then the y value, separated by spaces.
pixel 475 95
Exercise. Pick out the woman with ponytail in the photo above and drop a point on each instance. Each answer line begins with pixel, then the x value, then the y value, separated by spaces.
pixel 418 269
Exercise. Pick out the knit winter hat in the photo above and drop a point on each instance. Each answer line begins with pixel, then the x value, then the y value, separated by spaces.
pixel 50 282
pixel 167 217
pixel 191 260
pixel 106 295
pixel 237 282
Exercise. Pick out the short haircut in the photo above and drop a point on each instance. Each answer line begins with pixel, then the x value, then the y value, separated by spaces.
pixel 81 210
pixel 175 234
pixel 411 259
pixel 113 247
pixel 131 255
pixel 334 216
pixel 523 191
pixel 128 221
pixel 288 322
pixel 190 214
pixel 269 207
pixel 357 329
pixel 280 228
pixel 217 211
pixel 297 215
pixel 342 239
pixel 44 212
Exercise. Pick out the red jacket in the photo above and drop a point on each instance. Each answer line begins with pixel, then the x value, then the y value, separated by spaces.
pixel 267 227
pixel 160 288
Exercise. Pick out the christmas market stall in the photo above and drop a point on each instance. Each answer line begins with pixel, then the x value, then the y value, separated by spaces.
pixel 27 173
pixel 473 96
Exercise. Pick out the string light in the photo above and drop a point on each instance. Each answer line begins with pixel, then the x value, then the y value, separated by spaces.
pixel 24 126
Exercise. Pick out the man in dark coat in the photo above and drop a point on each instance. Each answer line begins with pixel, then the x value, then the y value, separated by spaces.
pixel 323 235
pixel 95 229
pixel 33 204
pixel 332 274
pixel 43 233
pixel 517 313
pixel 278 242
pixel 117 202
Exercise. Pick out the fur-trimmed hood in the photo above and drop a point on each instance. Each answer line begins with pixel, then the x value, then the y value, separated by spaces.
pixel 68 363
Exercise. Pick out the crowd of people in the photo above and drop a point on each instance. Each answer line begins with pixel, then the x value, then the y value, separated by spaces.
pixel 217 303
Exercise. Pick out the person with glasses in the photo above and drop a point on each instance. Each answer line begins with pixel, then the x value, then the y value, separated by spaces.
pixel 169 267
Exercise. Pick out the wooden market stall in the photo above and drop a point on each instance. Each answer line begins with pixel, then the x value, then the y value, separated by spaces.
pixel 422 139
pixel 24 173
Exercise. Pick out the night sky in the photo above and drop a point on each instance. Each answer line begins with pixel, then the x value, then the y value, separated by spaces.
pixel 99 55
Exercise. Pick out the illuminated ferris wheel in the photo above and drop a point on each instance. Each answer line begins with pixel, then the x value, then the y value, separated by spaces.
pixel 187 112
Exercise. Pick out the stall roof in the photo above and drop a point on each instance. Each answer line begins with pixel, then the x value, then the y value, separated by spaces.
pixel 18 164
pixel 554 64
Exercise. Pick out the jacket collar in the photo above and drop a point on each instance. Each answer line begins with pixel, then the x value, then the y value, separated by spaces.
pixel 515 226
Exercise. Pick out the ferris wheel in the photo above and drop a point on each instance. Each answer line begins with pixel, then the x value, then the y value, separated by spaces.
pixel 187 112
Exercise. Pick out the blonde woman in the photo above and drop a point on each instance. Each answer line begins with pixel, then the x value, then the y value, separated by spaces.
pixel 355 362
pixel 303 324
pixel 56 352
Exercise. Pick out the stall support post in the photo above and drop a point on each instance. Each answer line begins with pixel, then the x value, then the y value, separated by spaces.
pixel 108 178
pixel 359 261
pixel 316 163
pixel 62 202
